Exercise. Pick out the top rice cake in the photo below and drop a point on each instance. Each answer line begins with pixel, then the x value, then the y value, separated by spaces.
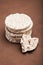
pixel 18 22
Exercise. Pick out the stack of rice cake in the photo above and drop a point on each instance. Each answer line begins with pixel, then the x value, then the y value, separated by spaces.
pixel 16 25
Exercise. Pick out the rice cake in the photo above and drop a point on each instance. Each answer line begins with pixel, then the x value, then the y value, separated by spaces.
pixel 18 21
pixel 28 43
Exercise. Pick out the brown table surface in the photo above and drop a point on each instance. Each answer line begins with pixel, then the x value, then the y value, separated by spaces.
pixel 10 54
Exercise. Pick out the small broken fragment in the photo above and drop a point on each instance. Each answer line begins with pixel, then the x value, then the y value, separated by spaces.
pixel 28 43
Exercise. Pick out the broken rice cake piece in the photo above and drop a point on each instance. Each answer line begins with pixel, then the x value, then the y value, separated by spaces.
pixel 28 43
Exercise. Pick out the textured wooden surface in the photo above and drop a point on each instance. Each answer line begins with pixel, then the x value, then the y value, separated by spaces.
pixel 10 54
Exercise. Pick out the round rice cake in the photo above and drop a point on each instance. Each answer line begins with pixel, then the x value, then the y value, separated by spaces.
pixel 18 22
pixel 13 34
